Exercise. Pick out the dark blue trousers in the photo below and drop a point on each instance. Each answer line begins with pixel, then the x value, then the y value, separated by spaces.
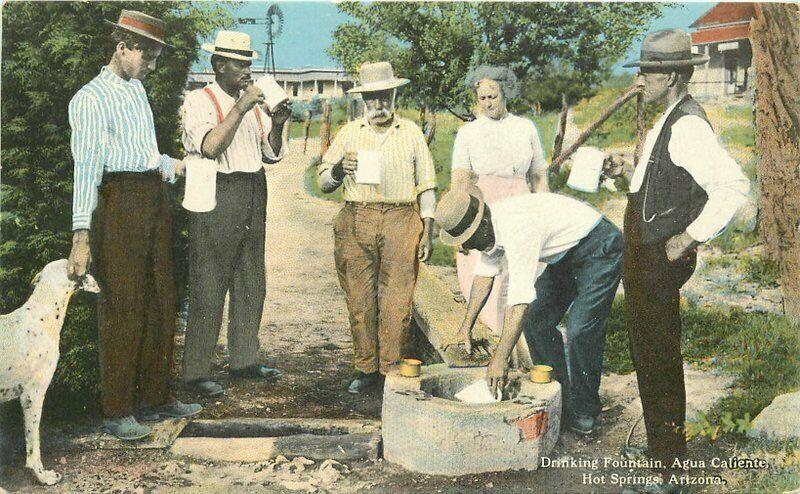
pixel 584 281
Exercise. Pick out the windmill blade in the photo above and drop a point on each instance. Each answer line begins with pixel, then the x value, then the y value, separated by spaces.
pixel 275 18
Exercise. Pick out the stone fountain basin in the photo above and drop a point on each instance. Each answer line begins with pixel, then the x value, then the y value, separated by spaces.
pixel 426 430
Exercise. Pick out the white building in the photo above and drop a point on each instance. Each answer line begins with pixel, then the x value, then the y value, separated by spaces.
pixel 301 84
pixel 723 33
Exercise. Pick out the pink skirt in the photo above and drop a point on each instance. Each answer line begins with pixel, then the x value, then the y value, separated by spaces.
pixel 494 189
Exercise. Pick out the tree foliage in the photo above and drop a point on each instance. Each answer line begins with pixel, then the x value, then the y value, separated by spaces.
pixel 553 47
pixel 50 50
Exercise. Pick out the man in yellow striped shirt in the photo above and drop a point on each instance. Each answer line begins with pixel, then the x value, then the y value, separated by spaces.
pixel 385 227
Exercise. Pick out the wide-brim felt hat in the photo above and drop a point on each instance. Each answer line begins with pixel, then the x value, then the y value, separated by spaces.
pixel 143 25
pixel 459 214
pixel 378 76
pixel 231 44
pixel 667 49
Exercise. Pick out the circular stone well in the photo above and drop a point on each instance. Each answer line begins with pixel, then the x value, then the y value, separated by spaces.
pixel 425 429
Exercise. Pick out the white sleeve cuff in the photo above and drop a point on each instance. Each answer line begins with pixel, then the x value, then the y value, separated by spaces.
pixel 427 203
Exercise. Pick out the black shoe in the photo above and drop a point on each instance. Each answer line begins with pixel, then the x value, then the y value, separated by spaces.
pixel 580 424
pixel 205 387
pixel 365 382
pixel 257 371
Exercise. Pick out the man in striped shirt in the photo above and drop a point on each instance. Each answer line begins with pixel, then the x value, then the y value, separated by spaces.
pixel 385 227
pixel 119 195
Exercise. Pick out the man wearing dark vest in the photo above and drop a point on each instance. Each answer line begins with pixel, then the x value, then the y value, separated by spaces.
pixel 228 122
pixel 684 191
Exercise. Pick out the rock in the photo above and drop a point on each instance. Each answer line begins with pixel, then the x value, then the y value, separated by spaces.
pixel 330 472
pixel 779 419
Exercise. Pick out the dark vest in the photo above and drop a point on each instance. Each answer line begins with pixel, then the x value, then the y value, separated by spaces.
pixel 670 198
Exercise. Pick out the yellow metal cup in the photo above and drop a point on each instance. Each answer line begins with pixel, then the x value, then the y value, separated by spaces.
pixel 541 374
pixel 410 367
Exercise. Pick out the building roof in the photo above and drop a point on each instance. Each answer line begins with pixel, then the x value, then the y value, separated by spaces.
pixel 726 13
pixel 721 33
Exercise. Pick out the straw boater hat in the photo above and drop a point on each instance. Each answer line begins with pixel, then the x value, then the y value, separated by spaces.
pixel 232 44
pixel 668 49
pixel 459 213
pixel 377 76
pixel 142 24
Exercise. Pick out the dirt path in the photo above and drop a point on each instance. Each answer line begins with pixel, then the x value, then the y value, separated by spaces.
pixel 306 333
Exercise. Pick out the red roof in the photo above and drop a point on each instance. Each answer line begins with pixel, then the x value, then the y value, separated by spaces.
pixel 719 34
pixel 725 13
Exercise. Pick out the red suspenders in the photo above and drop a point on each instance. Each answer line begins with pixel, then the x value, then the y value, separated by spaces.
pixel 220 117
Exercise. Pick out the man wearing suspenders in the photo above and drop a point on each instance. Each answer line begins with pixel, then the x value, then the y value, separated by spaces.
pixel 226 122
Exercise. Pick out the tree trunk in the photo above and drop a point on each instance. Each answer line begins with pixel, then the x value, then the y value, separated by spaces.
pixel 430 127
pixel 775 35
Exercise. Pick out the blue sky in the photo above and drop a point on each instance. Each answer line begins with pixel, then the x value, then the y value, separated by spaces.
pixel 308 27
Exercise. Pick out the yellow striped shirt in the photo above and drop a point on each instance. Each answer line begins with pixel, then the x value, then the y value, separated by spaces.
pixel 407 162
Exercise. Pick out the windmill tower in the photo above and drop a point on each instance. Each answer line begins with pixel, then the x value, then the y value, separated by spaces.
pixel 274 29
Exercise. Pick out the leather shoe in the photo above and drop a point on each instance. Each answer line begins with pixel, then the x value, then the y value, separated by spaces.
pixel 257 371
pixel 174 409
pixel 581 424
pixel 206 387
pixel 365 382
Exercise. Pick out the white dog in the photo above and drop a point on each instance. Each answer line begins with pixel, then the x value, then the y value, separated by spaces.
pixel 29 339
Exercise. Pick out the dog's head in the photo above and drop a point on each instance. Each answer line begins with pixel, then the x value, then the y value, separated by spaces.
pixel 55 276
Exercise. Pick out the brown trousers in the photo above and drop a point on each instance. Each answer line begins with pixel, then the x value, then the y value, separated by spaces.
pixel 132 254
pixel 652 303
pixel 375 248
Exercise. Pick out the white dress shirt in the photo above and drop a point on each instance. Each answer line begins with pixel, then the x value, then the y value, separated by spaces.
pixel 199 117
pixel 530 228
pixel 695 148
pixel 507 147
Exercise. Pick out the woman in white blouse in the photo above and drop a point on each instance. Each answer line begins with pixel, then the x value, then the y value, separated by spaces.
pixel 503 155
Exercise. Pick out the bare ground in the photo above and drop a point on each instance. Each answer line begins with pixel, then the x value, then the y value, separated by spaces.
pixel 305 333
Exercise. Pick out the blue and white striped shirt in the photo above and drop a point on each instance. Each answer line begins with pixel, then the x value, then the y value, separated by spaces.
pixel 113 131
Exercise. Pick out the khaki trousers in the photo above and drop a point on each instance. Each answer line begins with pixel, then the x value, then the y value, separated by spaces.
pixel 132 252
pixel 375 248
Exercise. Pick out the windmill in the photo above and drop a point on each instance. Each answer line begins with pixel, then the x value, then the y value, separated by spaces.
pixel 274 23
pixel 274 29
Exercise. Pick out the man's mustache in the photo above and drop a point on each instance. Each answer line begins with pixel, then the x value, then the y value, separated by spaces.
pixel 380 112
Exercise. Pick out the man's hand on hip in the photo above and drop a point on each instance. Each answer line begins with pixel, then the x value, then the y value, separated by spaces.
pixel 80 257
pixel 679 246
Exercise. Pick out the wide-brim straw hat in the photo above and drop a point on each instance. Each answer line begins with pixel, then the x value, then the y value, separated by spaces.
pixel 459 213
pixel 377 76
pixel 143 25
pixel 232 44
pixel 667 49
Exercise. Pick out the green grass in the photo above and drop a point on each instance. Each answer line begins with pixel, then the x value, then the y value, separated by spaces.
pixel 763 272
pixel 443 255
pixel 742 135
pixel 732 241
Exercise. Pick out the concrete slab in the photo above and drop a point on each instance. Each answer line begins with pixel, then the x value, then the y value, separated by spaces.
pixel 439 316
pixel 344 447
pixel 164 434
